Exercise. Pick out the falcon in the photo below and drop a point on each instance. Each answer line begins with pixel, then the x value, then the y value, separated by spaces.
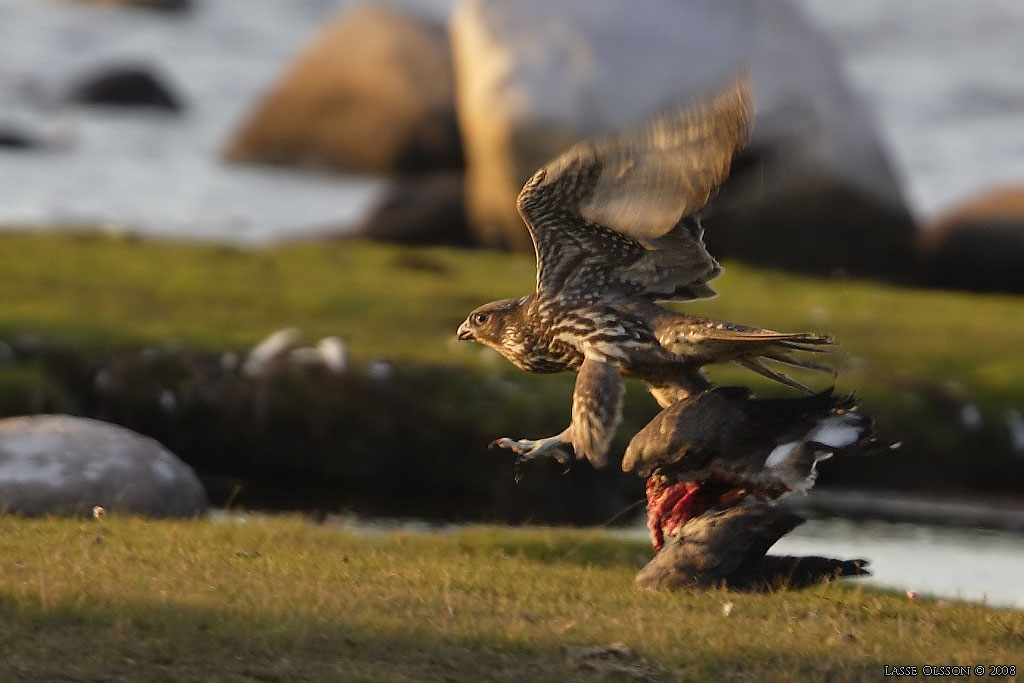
pixel 715 448
pixel 615 228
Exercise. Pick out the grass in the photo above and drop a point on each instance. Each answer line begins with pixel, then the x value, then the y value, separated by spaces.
pixel 402 303
pixel 280 599
pixel 100 291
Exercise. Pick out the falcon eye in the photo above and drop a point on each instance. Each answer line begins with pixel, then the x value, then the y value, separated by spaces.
pixel 480 318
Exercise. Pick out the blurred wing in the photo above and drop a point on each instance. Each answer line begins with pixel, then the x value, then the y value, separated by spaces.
pixel 615 216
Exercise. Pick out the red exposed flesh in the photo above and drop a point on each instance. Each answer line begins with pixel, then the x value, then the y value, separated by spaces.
pixel 670 506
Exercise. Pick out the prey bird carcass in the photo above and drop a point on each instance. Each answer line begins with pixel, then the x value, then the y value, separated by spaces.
pixel 715 448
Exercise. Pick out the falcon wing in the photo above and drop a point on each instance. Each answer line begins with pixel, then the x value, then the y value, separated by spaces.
pixel 615 217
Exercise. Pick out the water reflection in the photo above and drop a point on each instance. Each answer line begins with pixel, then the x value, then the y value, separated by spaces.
pixel 979 565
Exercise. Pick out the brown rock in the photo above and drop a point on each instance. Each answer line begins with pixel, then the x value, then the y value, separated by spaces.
pixel 372 93
pixel 979 245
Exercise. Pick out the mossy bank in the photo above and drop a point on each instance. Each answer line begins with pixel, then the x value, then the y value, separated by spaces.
pixel 404 430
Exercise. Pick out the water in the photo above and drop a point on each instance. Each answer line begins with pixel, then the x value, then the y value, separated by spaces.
pixel 943 77
pixel 158 173
pixel 978 565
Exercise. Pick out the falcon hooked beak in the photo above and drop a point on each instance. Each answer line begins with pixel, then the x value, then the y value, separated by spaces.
pixel 465 334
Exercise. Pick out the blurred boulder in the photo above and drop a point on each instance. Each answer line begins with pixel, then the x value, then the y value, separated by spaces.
pixel 814 223
pixel 163 5
pixel 426 209
pixel 534 77
pixel 125 86
pixel 14 138
pixel 978 245
pixel 57 464
pixel 373 93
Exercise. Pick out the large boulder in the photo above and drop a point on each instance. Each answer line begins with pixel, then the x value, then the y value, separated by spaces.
pixel 57 464
pixel 533 77
pixel 373 93
pixel 978 245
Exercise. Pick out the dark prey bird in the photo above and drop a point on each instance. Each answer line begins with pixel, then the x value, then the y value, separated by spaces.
pixel 716 447
pixel 615 229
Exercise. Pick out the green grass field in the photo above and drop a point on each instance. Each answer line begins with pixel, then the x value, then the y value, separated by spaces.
pixel 281 599
pixel 403 303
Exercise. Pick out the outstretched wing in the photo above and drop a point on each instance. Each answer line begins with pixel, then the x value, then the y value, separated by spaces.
pixel 615 217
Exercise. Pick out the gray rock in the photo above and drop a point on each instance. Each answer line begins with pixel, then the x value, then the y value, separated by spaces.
pixel 58 464
pixel 534 77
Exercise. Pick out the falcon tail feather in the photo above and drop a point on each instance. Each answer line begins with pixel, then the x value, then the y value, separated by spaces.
pixel 819 345
pixel 789 359
pixel 756 365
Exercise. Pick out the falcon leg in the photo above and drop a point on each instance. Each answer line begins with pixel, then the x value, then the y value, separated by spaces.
pixel 558 447
pixel 596 412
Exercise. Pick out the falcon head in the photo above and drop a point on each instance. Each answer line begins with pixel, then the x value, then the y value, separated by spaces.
pixel 490 324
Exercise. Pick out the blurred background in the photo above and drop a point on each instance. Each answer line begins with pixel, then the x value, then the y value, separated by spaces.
pixel 249 230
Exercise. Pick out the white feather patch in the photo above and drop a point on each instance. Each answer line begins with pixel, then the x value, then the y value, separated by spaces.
pixel 780 454
pixel 837 431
